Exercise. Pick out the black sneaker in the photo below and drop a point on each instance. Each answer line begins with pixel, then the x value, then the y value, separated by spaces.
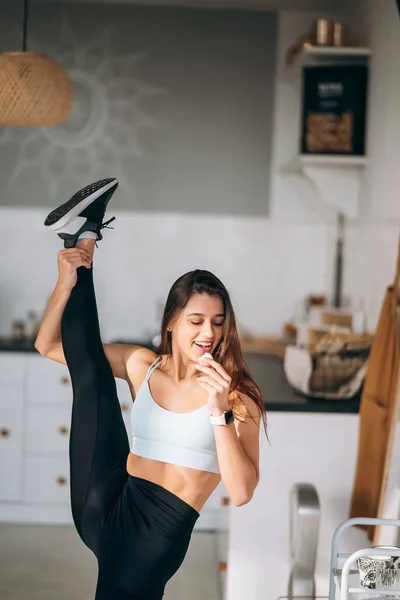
pixel 83 212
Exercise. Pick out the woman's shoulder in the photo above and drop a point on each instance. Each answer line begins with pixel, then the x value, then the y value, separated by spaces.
pixel 140 358
pixel 137 365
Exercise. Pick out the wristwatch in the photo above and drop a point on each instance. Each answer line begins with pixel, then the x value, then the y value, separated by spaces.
pixel 225 419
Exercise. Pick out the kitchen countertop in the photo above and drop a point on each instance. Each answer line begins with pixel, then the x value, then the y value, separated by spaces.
pixel 278 395
pixel 267 371
pixel 10 345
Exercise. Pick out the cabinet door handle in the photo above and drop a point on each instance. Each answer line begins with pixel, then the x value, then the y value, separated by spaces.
pixel 64 380
pixel 63 430
pixel 223 566
pixel 4 432
pixel 225 501
pixel 61 480
pixel 124 406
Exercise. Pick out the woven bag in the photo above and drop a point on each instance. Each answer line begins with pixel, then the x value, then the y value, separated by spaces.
pixel 336 364
pixel 335 369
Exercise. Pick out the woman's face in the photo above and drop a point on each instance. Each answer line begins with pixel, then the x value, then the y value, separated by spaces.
pixel 198 327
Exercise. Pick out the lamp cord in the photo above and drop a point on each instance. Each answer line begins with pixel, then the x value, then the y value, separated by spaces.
pixel 25 25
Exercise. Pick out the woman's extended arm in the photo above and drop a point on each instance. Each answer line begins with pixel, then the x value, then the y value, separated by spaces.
pixel 48 341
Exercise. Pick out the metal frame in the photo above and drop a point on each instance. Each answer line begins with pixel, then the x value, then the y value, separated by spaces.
pixel 303 530
pixel 352 558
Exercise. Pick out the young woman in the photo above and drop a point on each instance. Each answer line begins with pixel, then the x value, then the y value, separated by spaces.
pixel 135 503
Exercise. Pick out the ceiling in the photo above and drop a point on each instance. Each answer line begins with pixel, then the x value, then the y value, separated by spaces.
pixel 242 4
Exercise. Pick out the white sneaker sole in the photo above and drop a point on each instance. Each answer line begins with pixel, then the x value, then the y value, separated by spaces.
pixel 73 214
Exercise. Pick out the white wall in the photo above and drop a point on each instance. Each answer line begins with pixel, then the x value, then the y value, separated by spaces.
pixel 175 103
pixel 266 266
pixel 372 242
pixel 377 24
pixel 269 264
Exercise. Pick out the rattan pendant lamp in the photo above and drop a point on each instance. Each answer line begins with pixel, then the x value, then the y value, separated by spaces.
pixel 34 89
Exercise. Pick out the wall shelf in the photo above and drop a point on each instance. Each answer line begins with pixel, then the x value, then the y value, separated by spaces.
pixel 332 160
pixel 335 178
pixel 309 54
pixel 337 52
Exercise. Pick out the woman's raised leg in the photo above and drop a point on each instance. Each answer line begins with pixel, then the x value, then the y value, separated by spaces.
pixel 98 443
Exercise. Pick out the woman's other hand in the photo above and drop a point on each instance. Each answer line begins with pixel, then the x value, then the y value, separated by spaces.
pixel 69 260
pixel 216 381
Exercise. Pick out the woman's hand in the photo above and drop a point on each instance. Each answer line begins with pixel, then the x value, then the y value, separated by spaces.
pixel 216 381
pixel 69 260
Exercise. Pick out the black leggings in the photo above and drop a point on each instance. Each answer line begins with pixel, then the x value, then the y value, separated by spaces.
pixel 138 530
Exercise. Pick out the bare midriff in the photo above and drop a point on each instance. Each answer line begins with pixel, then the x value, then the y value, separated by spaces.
pixel 191 485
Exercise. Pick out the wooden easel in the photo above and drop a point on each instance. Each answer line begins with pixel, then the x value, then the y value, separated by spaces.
pixel 389 498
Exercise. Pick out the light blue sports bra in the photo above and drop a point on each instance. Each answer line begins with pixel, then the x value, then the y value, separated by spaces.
pixel 184 439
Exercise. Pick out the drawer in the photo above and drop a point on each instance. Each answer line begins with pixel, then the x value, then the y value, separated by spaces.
pixel 222 543
pixel 219 499
pixel 11 394
pixel 47 381
pixel 48 428
pixel 11 429
pixel 47 480
pixel 12 366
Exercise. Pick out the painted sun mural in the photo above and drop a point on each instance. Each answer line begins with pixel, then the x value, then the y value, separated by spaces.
pixel 107 118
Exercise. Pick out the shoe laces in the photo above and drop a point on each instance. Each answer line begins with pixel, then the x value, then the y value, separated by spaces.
pixel 106 226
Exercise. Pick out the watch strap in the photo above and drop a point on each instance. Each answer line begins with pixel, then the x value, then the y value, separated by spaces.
pixel 225 419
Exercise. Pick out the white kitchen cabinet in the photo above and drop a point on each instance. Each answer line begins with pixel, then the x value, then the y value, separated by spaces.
pixel 12 367
pixel 11 426
pixel 48 429
pixel 47 381
pixel 222 545
pixel 214 514
pixel 47 480
pixel 35 417
pixel 11 444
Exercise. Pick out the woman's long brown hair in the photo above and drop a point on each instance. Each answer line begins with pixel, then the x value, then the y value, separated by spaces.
pixel 228 352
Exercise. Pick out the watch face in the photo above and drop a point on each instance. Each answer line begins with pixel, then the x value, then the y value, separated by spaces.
pixel 229 418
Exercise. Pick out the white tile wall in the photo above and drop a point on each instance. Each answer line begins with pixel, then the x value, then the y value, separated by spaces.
pixel 267 267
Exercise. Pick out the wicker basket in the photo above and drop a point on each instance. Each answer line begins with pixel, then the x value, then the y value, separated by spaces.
pixel 334 370
pixel 34 90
